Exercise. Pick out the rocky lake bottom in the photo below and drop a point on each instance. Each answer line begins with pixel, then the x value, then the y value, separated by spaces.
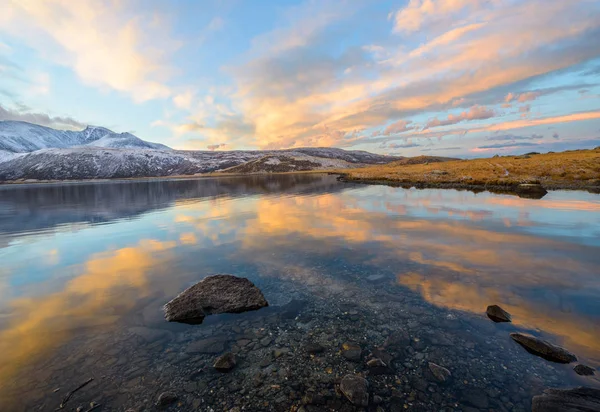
pixel 383 284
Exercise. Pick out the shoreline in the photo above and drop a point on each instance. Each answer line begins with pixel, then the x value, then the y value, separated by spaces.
pixel 513 188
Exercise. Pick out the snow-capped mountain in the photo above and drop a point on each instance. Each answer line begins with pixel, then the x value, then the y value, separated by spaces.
pixel 22 137
pixel 29 151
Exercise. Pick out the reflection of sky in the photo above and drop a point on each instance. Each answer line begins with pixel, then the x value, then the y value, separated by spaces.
pixel 538 258
pixel 574 215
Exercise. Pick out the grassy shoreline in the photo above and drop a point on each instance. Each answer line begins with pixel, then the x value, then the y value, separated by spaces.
pixel 573 170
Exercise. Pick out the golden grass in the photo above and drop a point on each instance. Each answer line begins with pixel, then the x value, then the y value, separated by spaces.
pixel 566 169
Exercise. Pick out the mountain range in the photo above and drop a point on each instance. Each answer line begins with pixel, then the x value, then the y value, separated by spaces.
pixel 30 151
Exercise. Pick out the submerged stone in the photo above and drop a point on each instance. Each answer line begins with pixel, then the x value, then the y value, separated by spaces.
pixel 497 314
pixel 543 348
pixel 166 398
pixel 212 295
pixel 583 370
pixel 440 373
pixel 351 351
pixel 355 389
pixel 377 366
pixel 567 400
pixel 225 363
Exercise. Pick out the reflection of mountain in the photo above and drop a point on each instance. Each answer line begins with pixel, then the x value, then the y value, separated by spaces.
pixel 36 207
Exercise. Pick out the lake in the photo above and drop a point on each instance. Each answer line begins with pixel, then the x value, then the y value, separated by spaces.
pixel 405 275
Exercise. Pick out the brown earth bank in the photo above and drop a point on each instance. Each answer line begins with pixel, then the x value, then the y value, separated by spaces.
pixel 573 170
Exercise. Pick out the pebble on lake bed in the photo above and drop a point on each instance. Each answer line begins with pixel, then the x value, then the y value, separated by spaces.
pixel 355 389
pixel 166 398
pixel 225 363
pixel 351 351
pixel 440 373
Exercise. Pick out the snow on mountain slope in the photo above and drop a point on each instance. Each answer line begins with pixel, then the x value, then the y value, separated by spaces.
pixel 89 162
pixel 125 141
pixel 22 137
pixel 96 163
pixel 289 162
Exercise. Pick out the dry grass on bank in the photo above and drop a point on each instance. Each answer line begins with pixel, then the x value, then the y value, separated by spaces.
pixel 567 169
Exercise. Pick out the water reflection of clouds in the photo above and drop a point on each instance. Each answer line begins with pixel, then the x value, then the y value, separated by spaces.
pixel 463 265
pixel 37 325
pixel 459 250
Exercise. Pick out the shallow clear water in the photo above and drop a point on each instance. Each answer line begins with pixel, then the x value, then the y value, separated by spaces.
pixel 86 269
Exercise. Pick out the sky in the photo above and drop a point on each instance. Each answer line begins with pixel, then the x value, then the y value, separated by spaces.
pixel 466 78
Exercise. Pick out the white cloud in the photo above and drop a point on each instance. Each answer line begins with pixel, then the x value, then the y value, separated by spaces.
pixel 184 100
pixel 103 45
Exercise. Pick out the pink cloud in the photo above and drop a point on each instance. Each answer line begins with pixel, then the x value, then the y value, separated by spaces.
pixel 474 113
pixel 398 127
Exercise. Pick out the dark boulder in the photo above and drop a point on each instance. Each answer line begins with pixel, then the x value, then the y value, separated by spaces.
pixel 225 363
pixel 497 314
pixel 567 400
pixel 356 389
pixel 212 295
pixel 584 370
pixel 543 348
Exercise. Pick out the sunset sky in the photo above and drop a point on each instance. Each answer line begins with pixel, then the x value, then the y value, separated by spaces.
pixel 445 77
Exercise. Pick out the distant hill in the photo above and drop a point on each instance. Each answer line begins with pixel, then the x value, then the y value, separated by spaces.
pixel 418 160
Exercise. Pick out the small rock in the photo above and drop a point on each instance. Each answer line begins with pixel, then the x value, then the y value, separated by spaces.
pixel 378 367
pixel 212 295
pixel 314 348
pixel 383 355
pixel 543 349
pixel 351 351
pixel 225 363
pixel 439 372
pixel 279 352
pixel 355 389
pixel 266 341
pixel 166 398
pixel 583 370
pixel 567 400
pixel 438 172
pixel 497 314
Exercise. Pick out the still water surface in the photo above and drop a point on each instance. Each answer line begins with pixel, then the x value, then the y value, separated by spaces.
pixel 86 269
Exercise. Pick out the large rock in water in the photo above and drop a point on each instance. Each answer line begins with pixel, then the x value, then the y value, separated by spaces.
pixel 567 400
pixel 543 349
pixel 212 295
pixel 497 314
